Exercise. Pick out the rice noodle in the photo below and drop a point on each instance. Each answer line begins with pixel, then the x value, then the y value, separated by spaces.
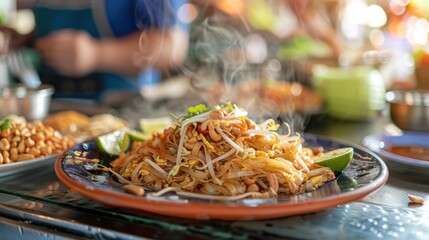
pixel 318 171
pixel 240 174
pixel 233 144
pixel 195 173
pixel 127 161
pixel 135 173
pixel 124 180
pixel 301 162
pixel 227 157
pixel 217 197
pixel 261 132
pixel 156 167
pixel 210 167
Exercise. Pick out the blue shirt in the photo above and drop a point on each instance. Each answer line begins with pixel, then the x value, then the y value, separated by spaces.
pixel 101 19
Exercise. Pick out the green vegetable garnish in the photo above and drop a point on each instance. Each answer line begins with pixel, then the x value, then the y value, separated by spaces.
pixel 202 108
pixel 5 124
pixel 195 110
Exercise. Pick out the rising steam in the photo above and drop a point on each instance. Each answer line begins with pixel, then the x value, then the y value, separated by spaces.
pixel 217 63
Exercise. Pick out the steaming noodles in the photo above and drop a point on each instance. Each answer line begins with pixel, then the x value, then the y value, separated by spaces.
pixel 219 153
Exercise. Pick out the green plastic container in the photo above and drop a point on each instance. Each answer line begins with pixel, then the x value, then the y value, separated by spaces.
pixel 355 93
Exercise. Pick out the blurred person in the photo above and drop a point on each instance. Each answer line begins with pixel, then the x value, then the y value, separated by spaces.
pixel 314 20
pixel 90 48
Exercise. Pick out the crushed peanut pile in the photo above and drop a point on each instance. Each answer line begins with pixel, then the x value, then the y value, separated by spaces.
pixel 26 141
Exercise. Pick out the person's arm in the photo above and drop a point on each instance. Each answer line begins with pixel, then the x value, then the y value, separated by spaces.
pixel 161 49
pixel 315 24
pixel 75 53
pixel 13 39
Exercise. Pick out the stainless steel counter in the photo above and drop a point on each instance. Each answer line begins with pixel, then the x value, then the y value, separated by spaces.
pixel 37 206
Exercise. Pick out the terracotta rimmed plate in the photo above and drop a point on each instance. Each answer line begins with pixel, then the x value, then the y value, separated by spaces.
pixel 378 143
pixel 365 174
pixel 16 168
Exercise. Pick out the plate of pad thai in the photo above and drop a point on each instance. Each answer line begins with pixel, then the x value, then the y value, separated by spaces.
pixel 217 163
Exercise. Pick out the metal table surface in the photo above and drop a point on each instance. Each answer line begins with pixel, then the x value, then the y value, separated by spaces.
pixel 37 206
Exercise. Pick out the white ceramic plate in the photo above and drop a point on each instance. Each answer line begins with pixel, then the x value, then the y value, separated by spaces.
pixel 25 166
pixel 378 143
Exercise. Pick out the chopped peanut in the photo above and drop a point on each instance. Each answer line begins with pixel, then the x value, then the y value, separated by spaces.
pixel 134 189
pixel 416 199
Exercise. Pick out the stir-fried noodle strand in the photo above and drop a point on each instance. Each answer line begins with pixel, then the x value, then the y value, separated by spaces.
pixel 221 154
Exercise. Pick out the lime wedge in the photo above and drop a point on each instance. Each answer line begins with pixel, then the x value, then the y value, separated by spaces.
pixel 346 182
pixel 114 143
pixel 337 160
pixel 137 135
pixel 150 125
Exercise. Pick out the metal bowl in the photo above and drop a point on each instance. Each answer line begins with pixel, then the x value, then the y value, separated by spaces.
pixel 33 104
pixel 409 109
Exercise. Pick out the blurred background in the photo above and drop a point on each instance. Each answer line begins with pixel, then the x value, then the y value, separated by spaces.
pixel 293 59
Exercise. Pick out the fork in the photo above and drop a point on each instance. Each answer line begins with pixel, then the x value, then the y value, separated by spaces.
pixel 21 67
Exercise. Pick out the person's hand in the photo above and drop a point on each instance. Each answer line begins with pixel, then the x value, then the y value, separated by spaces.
pixel 71 53
pixel 315 24
pixel 11 39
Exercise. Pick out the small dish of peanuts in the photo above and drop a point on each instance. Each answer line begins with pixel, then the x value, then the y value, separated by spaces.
pixel 25 145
